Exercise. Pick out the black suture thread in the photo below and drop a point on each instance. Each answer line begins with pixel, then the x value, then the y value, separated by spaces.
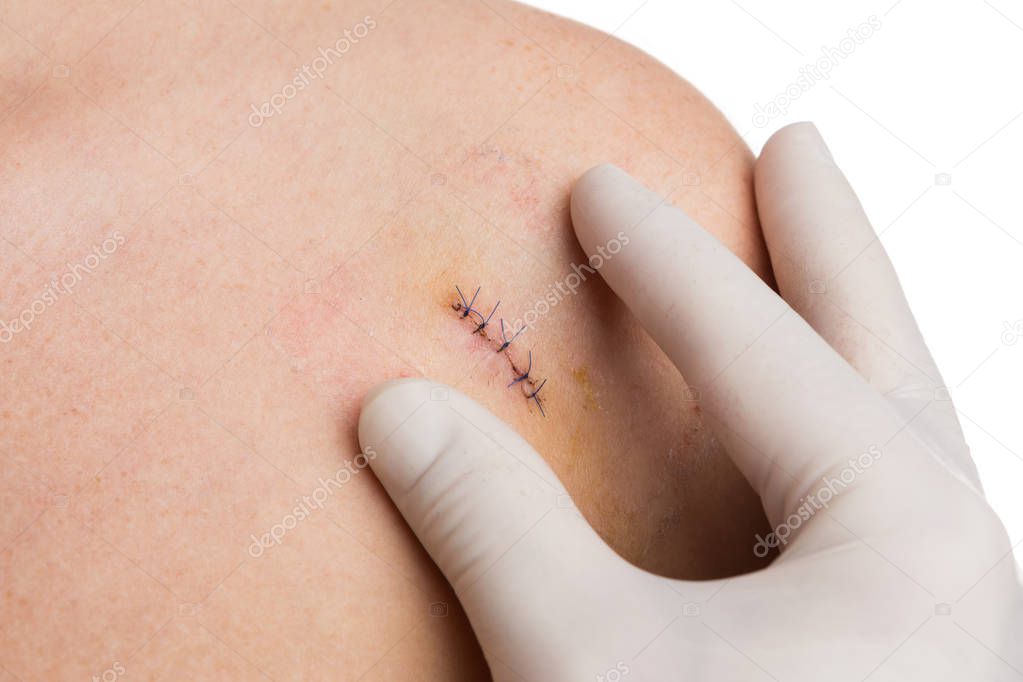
pixel 467 309
pixel 504 337
pixel 484 322
pixel 535 398
pixel 525 375
pixel 467 306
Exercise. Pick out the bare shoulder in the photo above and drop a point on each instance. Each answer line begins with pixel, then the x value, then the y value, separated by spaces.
pixel 439 78
pixel 180 181
pixel 654 106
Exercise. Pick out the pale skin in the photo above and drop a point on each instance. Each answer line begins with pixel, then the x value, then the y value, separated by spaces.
pixel 239 288
pixel 893 566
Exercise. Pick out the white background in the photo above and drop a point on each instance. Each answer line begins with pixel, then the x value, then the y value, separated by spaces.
pixel 935 90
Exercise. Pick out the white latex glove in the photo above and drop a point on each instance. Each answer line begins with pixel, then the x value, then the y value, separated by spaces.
pixel 906 574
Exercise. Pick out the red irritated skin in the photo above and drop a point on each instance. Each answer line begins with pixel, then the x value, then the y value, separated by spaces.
pixel 166 416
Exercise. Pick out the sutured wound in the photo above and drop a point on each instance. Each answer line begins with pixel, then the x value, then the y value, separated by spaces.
pixel 465 308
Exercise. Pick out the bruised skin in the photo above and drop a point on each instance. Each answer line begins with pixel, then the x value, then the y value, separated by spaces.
pixel 202 382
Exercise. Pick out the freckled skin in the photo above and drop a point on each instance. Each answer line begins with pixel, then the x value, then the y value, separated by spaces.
pixel 205 378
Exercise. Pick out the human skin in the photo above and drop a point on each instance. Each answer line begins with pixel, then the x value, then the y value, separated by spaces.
pixel 233 290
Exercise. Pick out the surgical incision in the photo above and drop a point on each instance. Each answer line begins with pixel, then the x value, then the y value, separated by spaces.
pixel 481 326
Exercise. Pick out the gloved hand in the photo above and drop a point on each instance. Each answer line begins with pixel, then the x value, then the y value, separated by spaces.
pixel 892 565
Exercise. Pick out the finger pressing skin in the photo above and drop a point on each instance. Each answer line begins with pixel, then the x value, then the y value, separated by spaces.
pixel 830 265
pixel 532 575
pixel 759 369
pixel 833 270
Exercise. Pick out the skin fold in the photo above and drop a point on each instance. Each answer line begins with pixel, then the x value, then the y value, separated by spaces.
pixel 216 266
